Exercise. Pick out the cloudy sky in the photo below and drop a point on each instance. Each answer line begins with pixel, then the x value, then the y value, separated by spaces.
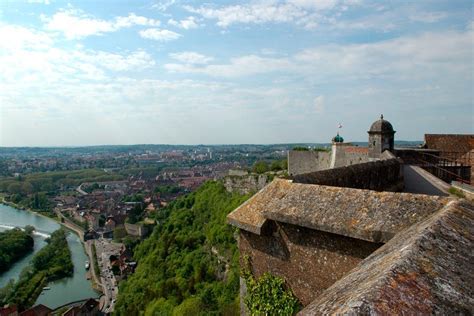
pixel 191 72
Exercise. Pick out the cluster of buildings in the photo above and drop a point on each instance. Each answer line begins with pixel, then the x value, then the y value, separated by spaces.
pixel 368 230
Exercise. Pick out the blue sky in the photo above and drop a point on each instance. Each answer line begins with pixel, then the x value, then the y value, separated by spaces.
pixel 193 72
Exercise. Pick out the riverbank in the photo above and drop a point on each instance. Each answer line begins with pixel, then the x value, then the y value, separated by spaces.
pixel 95 284
pixel 53 262
pixel 20 207
pixel 95 280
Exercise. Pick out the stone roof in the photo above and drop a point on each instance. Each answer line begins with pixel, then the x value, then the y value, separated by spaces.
pixel 362 214
pixel 450 142
pixel 425 269
pixel 248 216
pixel 381 126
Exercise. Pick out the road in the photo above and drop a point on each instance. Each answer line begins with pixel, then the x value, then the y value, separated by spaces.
pixel 105 249
pixel 80 190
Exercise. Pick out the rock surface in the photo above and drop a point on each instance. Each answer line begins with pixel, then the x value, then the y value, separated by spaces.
pixel 425 269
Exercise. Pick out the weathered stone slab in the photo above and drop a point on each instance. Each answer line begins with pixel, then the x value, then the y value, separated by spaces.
pixel 249 216
pixel 362 214
pixel 425 269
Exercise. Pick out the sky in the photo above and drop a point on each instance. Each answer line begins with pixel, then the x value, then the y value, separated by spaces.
pixel 90 72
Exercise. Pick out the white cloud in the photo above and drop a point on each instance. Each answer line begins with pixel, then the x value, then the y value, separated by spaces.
pixel 428 17
pixel 418 57
pixel 18 37
pixel 187 24
pixel 256 13
pixel 319 104
pixel 315 4
pixel 238 67
pixel 28 56
pixel 76 24
pixel 159 35
pixel 191 58
pixel 306 13
pixel 133 19
pixel 163 5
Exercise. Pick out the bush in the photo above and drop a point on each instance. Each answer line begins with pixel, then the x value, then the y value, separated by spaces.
pixel 300 148
pixel 456 192
pixel 260 167
pixel 268 295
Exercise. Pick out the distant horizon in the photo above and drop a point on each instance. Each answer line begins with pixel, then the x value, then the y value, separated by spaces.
pixel 224 144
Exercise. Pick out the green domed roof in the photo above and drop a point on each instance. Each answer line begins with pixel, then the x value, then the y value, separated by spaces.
pixel 338 139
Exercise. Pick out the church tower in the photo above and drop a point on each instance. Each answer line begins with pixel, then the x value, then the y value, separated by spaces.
pixel 381 137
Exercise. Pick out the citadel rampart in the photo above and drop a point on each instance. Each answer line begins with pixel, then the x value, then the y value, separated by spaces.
pixel 246 183
pixel 310 260
pixel 380 175
pixel 307 161
pixel 314 235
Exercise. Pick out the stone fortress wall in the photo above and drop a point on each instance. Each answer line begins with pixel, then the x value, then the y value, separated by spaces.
pixel 345 245
pixel 380 175
pixel 342 154
pixel 300 162
pixel 326 257
pixel 246 183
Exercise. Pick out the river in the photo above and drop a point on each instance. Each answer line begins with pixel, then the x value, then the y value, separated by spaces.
pixel 62 291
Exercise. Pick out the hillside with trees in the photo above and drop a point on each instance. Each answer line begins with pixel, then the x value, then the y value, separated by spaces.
pixel 189 265
pixel 14 245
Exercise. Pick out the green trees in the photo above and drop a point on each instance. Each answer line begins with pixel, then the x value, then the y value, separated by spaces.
pixel 52 262
pixel 32 190
pixel 268 295
pixel 190 263
pixel 260 167
pixel 14 244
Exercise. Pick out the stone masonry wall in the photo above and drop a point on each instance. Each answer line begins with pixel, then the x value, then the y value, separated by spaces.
pixel 300 162
pixel 309 260
pixel 246 184
pixel 381 175
pixel 450 142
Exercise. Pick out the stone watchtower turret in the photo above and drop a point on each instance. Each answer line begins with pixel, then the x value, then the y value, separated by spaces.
pixel 381 137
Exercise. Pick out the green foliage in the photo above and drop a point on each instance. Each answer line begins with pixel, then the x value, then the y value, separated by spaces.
pixel 260 167
pixel 301 148
pixel 135 214
pixel 167 189
pixel 133 198
pixel 456 192
pixel 95 264
pixel 32 190
pixel 119 233
pixel 14 245
pixel 269 295
pixel 52 262
pixel 278 165
pixel 321 149
pixel 51 181
pixel 190 262
pixel 190 306
pixel 55 258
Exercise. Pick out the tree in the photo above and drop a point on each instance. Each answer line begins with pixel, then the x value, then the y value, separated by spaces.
pixel 119 232
pixel 260 167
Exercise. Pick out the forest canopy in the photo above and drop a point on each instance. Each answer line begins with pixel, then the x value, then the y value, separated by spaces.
pixel 14 245
pixel 189 265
